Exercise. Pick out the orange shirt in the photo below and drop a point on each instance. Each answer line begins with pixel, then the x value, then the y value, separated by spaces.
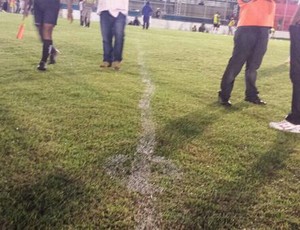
pixel 257 13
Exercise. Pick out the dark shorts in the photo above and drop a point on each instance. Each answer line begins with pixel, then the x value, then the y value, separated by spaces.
pixel 46 11
pixel 216 25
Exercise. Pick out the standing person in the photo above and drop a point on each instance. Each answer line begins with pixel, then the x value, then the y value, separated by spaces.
pixel 216 22
pixel 292 122
pixel 146 12
pixel 231 24
pixel 80 4
pixel 88 6
pixel 250 45
pixel 22 5
pixel 45 18
pixel 112 21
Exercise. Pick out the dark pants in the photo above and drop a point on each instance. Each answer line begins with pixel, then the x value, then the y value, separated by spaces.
pixel 112 28
pixel 146 20
pixel 250 46
pixel 294 116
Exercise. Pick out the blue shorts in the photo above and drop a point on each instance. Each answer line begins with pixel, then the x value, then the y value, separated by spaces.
pixel 46 11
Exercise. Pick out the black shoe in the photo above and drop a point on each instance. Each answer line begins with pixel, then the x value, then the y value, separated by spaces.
pixel 256 101
pixel 224 102
pixel 42 66
pixel 52 56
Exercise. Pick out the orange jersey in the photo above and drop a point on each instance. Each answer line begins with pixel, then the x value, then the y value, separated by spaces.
pixel 257 13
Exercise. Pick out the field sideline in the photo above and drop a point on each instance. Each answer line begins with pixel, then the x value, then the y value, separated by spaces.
pixel 147 147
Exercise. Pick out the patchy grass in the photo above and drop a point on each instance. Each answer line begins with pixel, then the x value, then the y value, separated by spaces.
pixel 58 129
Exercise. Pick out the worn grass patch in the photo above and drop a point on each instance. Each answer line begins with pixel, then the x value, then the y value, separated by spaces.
pixel 215 168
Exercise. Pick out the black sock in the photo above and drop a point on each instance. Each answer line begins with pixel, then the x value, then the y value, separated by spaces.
pixel 47 46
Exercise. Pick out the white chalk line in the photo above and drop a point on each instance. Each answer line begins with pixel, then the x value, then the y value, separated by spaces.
pixel 146 216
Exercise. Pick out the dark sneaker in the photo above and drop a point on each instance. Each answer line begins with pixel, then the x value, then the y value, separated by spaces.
pixel 52 56
pixel 256 101
pixel 224 102
pixel 42 66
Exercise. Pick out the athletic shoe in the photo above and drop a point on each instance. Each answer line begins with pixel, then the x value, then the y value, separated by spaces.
pixel 116 65
pixel 42 66
pixel 52 56
pixel 256 101
pixel 105 64
pixel 285 126
pixel 222 101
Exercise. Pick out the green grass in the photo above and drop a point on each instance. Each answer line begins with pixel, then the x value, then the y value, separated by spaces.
pixel 58 128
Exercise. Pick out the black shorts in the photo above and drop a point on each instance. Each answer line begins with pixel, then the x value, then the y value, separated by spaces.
pixel 216 25
pixel 46 11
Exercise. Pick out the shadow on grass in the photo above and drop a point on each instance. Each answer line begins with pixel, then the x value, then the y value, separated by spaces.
pixel 226 204
pixel 231 204
pixel 29 200
pixel 51 202
pixel 177 133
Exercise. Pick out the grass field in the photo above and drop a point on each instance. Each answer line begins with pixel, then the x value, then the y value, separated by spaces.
pixel 71 137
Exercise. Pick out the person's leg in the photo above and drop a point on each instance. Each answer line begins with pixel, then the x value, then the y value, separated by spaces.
pixel 106 24
pixel 119 34
pixel 294 115
pixel 243 44
pixel 147 22
pixel 46 14
pixel 81 18
pixel 88 17
pixel 254 62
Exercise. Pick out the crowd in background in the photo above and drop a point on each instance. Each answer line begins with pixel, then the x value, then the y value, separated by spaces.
pixel 12 6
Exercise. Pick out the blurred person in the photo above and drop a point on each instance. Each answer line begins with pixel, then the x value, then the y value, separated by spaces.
pixel 113 16
pixel 194 28
pixel 146 12
pixel 87 10
pixel 45 18
pixel 80 6
pixel 250 45
pixel 272 32
pixel 231 24
pixel 22 5
pixel 158 13
pixel 202 28
pixel 216 22
pixel 291 123
pixel 12 6
pixel 136 21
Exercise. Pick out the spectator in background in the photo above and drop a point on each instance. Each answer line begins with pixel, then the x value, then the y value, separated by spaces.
pixel 250 45
pixel 112 21
pixel 5 6
pixel 87 10
pixel 272 32
pixel 158 13
pixel 136 21
pixel 80 5
pixel 194 28
pixel 216 22
pixel 231 24
pixel 12 6
pixel 146 12
pixel 45 18
pixel 22 5
pixel 292 121
pixel 202 28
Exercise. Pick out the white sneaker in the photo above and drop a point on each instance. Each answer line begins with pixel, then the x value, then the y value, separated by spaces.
pixel 285 126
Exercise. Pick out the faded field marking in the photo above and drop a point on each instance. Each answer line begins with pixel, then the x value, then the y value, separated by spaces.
pixel 139 180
